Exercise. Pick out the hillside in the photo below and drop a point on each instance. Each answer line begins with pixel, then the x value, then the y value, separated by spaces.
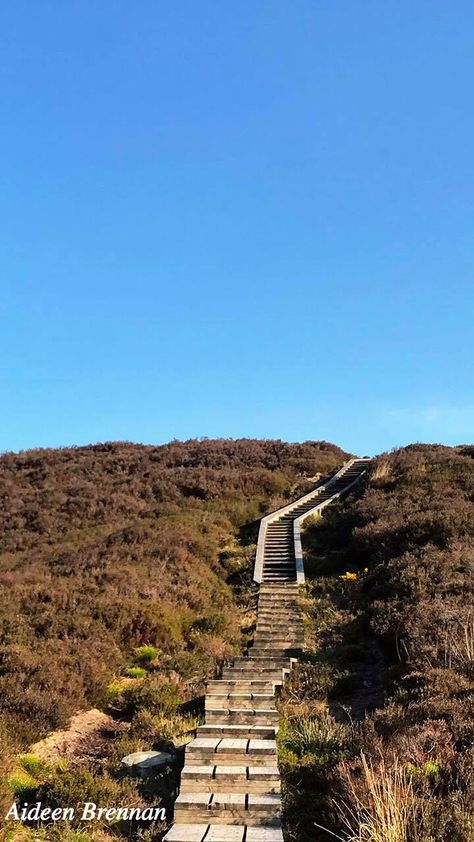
pixel 121 560
pixel 107 548
pixel 379 714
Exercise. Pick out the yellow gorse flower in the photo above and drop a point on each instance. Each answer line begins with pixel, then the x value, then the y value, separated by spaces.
pixel 348 576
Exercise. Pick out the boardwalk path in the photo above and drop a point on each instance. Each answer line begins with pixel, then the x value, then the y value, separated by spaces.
pixel 230 784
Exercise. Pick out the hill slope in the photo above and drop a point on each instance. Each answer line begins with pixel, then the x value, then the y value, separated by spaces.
pixel 380 712
pixel 109 547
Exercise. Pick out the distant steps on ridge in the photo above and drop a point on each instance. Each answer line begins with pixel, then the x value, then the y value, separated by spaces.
pixel 279 547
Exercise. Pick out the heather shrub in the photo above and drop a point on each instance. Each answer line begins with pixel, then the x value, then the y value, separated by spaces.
pixel 154 694
pixel 73 787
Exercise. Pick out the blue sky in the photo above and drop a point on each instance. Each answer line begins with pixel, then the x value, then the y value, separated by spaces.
pixel 236 219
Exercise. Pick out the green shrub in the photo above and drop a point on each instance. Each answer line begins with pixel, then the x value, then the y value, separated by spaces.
pixel 316 741
pixel 153 694
pixel 72 787
pixel 34 765
pixel 22 784
pixel 134 672
pixel 428 771
pixel 146 654
pixel 113 692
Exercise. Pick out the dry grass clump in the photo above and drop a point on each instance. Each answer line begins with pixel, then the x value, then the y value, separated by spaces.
pixel 382 470
pixel 318 741
pixel 381 803
pixel 459 643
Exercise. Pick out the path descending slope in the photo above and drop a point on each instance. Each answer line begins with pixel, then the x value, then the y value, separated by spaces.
pixel 230 784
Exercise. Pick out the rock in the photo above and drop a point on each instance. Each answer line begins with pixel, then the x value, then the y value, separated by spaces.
pixel 146 762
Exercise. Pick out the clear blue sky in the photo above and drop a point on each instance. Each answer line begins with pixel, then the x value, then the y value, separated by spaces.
pixel 236 219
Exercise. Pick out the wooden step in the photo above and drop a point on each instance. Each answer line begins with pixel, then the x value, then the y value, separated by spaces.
pixel 223 833
pixel 277 676
pixel 254 779
pixel 252 672
pixel 278 659
pixel 243 731
pixel 262 649
pixel 274 663
pixel 278 635
pixel 238 752
pixel 291 618
pixel 242 716
pixel 268 600
pixel 228 808
pixel 221 686
pixel 270 603
pixel 197 832
pixel 240 700
pixel 277 623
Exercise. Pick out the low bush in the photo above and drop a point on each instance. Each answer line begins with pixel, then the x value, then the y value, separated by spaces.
pixel 73 787
pixel 114 692
pixel 134 672
pixel 315 742
pixel 146 654
pixel 33 764
pixel 154 694
pixel 22 785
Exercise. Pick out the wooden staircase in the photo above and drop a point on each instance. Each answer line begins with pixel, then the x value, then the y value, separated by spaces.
pixel 230 784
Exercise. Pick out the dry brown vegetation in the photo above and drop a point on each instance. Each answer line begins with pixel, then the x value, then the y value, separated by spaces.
pixel 107 548
pixel 390 659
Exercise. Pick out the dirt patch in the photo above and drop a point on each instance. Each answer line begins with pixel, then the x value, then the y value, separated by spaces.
pixel 86 737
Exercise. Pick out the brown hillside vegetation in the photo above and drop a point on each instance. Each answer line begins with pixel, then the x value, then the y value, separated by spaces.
pixel 378 738
pixel 109 548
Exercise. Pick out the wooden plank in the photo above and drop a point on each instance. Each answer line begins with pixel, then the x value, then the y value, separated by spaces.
pixel 225 833
pixel 186 833
pixel 230 746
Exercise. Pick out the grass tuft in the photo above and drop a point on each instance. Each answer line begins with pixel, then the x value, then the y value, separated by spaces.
pixel 146 654
pixel 381 804
pixel 134 672
pixel 33 764
pixel 22 784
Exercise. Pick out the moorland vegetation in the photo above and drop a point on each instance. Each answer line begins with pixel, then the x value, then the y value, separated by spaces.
pixel 125 574
pixel 377 737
